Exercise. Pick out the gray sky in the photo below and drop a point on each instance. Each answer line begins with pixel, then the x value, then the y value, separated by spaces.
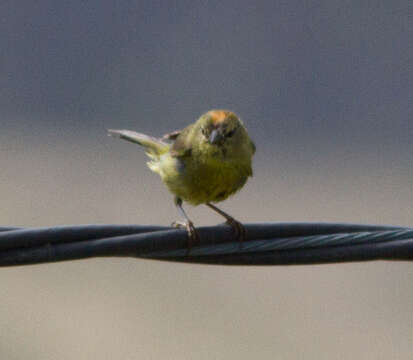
pixel 321 80
pixel 323 66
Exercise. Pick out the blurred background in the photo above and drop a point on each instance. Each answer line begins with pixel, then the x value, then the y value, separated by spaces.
pixel 325 89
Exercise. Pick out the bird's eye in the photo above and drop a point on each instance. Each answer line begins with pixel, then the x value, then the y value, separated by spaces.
pixel 232 132
pixel 204 131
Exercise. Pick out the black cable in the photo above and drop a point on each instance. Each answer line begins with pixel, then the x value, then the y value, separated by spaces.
pixel 265 244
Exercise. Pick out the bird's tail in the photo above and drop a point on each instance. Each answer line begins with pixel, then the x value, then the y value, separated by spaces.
pixel 154 147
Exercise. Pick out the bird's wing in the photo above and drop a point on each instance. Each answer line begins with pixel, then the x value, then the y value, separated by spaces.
pixel 153 144
pixel 182 145
pixel 253 147
pixel 172 135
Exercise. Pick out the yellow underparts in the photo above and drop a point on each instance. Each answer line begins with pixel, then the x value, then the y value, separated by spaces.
pixel 198 181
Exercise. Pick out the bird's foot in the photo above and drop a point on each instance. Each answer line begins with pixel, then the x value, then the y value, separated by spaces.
pixel 193 236
pixel 239 230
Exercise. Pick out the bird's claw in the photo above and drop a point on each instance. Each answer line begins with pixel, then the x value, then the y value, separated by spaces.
pixel 193 236
pixel 239 229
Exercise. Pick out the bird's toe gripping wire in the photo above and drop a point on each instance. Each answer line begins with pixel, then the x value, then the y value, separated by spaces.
pixel 239 229
pixel 193 236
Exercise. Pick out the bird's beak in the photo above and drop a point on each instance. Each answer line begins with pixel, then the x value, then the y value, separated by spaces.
pixel 215 137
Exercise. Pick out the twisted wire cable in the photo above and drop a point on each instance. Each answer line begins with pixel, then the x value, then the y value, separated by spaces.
pixel 265 244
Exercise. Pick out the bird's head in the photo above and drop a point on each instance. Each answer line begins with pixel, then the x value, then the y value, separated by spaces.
pixel 221 128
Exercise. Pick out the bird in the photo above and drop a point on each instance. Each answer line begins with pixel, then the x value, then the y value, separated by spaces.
pixel 204 163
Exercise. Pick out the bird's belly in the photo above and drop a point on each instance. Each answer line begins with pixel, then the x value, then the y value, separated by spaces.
pixel 199 183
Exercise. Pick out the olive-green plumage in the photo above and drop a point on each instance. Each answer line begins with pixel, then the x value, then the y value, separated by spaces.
pixel 206 162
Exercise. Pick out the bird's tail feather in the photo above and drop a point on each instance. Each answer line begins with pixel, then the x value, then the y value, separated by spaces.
pixel 153 146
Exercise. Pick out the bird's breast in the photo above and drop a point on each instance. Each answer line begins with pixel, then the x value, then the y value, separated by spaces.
pixel 199 181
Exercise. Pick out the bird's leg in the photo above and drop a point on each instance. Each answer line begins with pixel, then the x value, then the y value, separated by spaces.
pixel 236 225
pixel 193 236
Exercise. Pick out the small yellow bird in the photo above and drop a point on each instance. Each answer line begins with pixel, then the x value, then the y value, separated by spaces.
pixel 204 163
